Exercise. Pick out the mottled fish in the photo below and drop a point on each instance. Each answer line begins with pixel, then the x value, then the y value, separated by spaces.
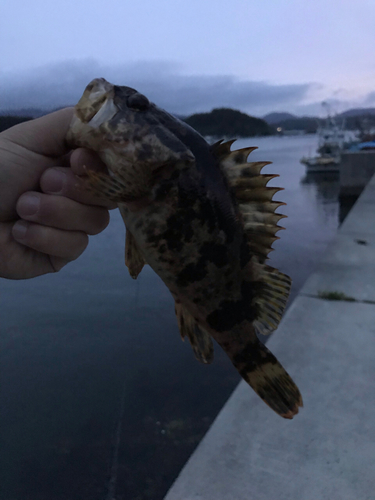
pixel 203 218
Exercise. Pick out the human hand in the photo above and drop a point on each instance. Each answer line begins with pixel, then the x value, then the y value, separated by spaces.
pixel 46 214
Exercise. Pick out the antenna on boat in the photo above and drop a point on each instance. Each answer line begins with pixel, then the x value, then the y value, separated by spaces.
pixel 327 107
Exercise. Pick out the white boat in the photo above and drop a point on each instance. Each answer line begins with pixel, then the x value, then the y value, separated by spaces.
pixel 322 163
pixel 331 141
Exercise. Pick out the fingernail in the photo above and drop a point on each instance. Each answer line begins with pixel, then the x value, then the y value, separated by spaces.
pixel 28 205
pixel 53 181
pixel 19 230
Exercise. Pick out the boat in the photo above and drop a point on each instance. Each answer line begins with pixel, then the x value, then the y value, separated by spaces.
pixel 322 163
pixel 331 142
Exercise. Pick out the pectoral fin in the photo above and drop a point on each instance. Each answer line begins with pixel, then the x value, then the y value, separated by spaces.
pixel 119 189
pixel 133 258
pixel 199 339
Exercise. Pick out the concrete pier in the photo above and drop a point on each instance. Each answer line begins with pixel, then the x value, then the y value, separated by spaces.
pixel 356 169
pixel 327 451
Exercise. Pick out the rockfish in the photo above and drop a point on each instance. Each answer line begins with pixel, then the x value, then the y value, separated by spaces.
pixel 203 218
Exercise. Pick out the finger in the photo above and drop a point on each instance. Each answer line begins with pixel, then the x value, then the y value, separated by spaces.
pixel 67 245
pixel 62 213
pixel 21 262
pixel 85 158
pixel 45 135
pixel 62 181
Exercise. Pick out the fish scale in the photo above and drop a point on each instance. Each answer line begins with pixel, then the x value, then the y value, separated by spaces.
pixel 203 218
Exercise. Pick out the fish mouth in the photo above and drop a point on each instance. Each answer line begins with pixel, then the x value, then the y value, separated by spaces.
pixel 96 104
pixel 106 112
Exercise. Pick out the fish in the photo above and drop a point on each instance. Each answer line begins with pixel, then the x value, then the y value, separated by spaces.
pixel 204 219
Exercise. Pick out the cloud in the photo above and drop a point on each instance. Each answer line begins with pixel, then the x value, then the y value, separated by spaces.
pixel 62 84
pixel 370 99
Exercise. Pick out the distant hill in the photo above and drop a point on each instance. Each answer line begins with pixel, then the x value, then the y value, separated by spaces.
pixel 357 112
pixel 356 118
pixel 274 118
pixel 33 112
pixel 309 124
pixel 225 122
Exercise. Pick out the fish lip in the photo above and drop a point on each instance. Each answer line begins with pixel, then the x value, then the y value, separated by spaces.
pixel 96 104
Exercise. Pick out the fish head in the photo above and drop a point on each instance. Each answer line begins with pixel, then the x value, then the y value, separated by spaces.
pixel 126 129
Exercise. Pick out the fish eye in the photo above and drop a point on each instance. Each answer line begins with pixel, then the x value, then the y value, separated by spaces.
pixel 138 101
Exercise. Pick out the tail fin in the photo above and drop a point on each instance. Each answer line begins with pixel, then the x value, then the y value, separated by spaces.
pixel 261 370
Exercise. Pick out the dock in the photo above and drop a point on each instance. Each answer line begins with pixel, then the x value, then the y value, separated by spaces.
pixel 327 452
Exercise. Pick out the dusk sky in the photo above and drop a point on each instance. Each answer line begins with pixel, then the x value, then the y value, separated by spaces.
pixel 190 56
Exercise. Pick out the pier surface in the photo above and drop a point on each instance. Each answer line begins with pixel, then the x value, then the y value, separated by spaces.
pixel 327 451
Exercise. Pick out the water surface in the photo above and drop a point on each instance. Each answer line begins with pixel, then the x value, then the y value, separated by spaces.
pixel 100 399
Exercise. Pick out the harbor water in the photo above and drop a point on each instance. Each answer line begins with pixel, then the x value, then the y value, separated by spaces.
pixel 100 399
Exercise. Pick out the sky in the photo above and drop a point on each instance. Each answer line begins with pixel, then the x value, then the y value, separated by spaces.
pixel 191 56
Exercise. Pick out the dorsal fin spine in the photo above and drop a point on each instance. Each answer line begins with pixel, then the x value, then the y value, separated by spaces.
pixel 259 228
pixel 221 149
pixel 252 182
pixel 256 194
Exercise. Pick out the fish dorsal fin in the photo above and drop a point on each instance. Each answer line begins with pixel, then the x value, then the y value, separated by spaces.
pixel 260 223
pixel 253 196
pixel 199 339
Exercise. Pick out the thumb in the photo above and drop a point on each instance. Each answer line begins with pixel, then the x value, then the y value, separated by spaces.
pixel 45 135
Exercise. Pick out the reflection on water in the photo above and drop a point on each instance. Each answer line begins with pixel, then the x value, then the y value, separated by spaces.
pixel 326 184
pixel 326 187
pixel 327 191
pixel 99 396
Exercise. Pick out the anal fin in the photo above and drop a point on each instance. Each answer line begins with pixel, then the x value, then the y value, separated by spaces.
pixel 134 260
pixel 199 339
